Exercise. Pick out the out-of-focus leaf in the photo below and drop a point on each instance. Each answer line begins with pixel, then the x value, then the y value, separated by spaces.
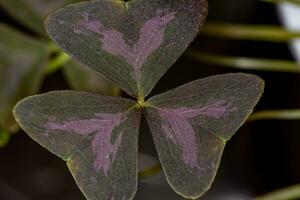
pixel 132 43
pixel 83 78
pixel 4 137
pixel 290 16
pixel 22 61
pixel 191 124
pixel 9 193
pixel 293 2
pixel 268 33
pixel 96 135
pixel 288 193
pixel 80 77
pixel 32 12
pixel 245 63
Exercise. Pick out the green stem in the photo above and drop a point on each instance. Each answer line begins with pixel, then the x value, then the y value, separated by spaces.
pixel 245 63
pixel 288 193
pixel 149 172
pixel 53 48
pixel 297 2
pixel 268 33
pixel 275 114
pixel 4 137
pixel 57 62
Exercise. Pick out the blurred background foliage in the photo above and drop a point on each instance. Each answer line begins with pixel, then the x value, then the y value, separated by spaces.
pixel 255 36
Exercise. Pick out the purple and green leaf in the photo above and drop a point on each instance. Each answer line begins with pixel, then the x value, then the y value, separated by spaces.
pixel 191 124
pixel 133 43
pixel 22 61
pixel 96 135
pixel 32 12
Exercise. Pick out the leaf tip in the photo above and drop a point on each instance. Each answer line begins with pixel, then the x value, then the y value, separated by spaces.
pixel 195 195
pixel 255 79
pixel 16 110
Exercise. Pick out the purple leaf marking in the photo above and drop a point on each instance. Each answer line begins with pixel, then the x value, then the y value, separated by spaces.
pixel 103 125
pixel 151 37
pixel 179 131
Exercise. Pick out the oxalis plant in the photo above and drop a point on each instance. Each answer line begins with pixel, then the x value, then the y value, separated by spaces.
pixel 133 44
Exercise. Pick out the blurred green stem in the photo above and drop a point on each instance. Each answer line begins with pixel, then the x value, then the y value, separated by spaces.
pixel 268 33
pixel 149 172
pixel 53 48
pixel 289 193
pixel 245 63
pixel 293 114
pixel 297 2
pixel 57 62
pixel 4 137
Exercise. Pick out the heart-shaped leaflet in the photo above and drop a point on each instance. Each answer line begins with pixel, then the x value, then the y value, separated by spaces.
pixel 132 43
pixel 191 124
pixel 97 136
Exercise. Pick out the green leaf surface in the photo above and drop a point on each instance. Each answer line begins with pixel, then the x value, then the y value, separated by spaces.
pixel 96 135
pixel 32 12
pixel 132 43
pixel 22 61
pixel 82 78
pixel 191 124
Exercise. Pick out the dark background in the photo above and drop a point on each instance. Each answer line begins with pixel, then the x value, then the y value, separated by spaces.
pixel 261 157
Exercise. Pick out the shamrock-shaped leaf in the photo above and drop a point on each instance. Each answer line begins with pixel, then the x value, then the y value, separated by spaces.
pixel 96 135
pixel 32 12
pixel 132 43
pixel 22 61
pixel 82 78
